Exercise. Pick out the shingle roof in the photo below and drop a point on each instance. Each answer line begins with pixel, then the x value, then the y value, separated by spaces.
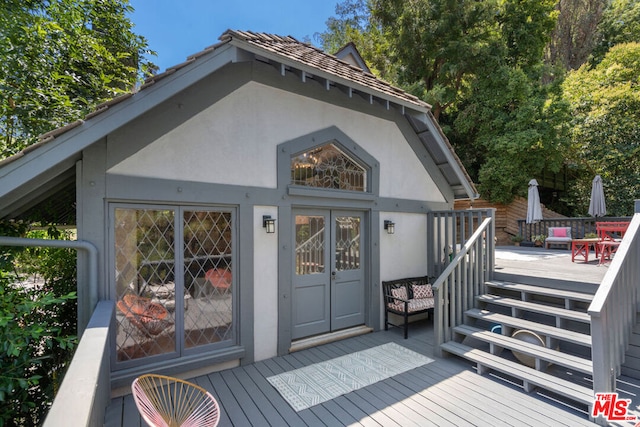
pixel 304 53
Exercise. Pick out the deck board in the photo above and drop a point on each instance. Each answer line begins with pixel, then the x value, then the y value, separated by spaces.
pixel 446 392
pixel 257 395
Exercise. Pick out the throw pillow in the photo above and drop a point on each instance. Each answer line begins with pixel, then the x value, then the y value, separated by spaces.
pixel 560 232
pixel 400 293
pixel 422 291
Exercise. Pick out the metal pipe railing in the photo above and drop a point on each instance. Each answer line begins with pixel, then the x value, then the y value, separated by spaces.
pixel 86 303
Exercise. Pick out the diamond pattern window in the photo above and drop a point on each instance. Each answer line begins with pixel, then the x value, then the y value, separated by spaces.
pixel 173 282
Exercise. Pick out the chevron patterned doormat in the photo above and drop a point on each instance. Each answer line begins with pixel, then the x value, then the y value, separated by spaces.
pixel 320 382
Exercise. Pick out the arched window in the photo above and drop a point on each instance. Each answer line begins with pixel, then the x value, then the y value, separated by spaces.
pixel 327 166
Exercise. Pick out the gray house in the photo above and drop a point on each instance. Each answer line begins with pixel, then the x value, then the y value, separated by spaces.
pixel 244 202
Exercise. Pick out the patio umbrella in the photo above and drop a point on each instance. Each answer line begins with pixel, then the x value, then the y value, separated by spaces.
pixel 597 205
pixel 534 210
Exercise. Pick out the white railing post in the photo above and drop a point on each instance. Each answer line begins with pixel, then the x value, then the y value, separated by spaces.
pixel 613 311
pixel 453 292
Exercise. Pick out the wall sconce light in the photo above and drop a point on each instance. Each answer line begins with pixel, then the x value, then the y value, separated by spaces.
pixel 389 226
pixel 269 223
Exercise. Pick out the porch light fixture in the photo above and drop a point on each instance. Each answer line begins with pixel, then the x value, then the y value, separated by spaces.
pixel 389 226
pixel 269 223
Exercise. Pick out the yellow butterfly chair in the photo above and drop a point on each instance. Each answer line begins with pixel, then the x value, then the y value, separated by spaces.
pixel 170 402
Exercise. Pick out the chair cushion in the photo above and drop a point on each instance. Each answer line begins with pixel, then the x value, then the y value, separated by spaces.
pixel 421 304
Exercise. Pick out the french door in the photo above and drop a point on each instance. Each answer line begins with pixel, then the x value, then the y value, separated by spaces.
pixel 328 276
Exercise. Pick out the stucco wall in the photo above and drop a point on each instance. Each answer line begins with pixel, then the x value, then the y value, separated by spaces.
pixel 234 142
pixel 404 253
pixel 265 252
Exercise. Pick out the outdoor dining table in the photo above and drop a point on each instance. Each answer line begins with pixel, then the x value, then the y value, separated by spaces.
pixel 580 247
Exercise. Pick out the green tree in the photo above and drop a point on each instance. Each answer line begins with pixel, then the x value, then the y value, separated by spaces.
pixel 437 44
pixel 513 128
pixel 61 58
pixel 605 105
pixel 620 24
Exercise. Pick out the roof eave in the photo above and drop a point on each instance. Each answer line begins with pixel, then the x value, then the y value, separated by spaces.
pixel 418 106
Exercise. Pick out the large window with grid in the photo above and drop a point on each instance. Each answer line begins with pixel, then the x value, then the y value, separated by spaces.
pixel 173 282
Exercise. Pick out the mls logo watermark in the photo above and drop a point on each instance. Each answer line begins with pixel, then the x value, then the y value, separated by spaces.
pixel 612 408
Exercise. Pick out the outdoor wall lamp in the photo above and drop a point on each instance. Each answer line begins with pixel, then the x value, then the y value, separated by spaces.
pixel 389 226
pixel 269 223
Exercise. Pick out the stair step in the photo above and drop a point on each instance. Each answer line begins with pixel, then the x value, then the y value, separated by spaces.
pixel 539 352
pixel 558 313
pixel 538 290
pixel 548 331
pixel 530 377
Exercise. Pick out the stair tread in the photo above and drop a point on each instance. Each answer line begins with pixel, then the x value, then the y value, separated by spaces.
pixel 535 307
pixel 540 379
pixel 551 331
pixel 548 354
pixel 538 290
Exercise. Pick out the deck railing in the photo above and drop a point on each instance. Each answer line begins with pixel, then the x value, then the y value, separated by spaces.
pixel 86 388
pixel 462 280
pixel 579 226
pixel 613 311
pixel 447 231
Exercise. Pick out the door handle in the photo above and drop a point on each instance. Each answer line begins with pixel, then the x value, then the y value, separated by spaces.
pixel 333 275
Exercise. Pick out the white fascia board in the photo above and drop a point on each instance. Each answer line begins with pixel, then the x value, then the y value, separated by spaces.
pixel 71 143
pixel 328 76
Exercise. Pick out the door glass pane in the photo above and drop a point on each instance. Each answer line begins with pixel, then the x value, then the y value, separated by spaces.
pixel 145 287
pixel 310 244
pixel 207 277
pixel 347 243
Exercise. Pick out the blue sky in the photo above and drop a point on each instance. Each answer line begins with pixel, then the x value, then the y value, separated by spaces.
pixel 177 28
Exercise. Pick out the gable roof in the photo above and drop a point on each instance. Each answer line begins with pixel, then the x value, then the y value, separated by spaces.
pixel 350 54
pixel 53 157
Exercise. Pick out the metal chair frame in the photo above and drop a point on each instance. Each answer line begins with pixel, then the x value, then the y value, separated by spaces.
pixel 171 402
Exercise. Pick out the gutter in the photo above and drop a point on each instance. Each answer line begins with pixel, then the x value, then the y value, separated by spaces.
pixel 84 310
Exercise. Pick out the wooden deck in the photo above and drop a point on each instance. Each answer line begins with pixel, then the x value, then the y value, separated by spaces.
pixel 446 392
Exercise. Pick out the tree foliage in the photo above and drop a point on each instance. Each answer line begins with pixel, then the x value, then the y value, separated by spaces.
pixel 437 44
pixel 480 65
pixel 494 73
pixel 620 24
pixel 605 105
pixel 513 129
pixel 60 58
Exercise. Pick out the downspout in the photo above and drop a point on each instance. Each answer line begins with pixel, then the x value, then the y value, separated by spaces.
pixel 84 312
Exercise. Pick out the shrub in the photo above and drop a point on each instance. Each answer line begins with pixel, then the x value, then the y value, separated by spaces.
pixel 37 330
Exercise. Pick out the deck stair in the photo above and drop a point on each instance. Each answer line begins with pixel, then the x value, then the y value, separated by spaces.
pixel 555 353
